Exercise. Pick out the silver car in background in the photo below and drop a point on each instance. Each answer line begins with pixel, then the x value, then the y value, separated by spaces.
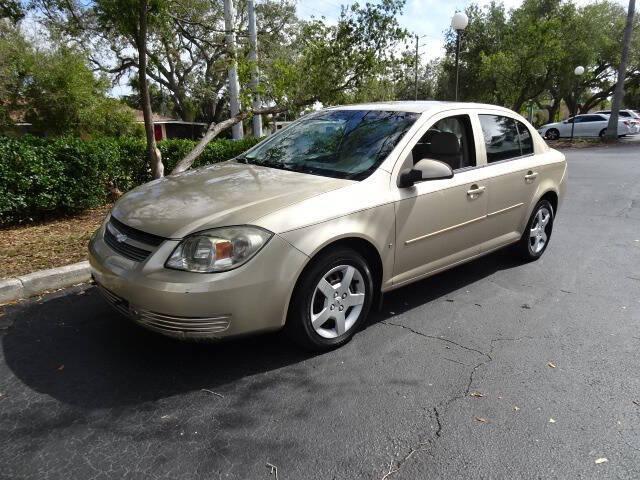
pixel 587 125
pixel 309 228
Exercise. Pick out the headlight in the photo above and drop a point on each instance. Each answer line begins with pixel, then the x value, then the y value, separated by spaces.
pixel 219 249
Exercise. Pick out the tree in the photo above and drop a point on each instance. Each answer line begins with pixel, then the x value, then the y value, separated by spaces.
pixel 132 19
pixel 12 10
pixel 612 127
pixel 55 91
pixel 329 64
pixel 121 24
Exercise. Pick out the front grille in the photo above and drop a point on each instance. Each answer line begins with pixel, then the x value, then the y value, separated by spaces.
pixel 124 249
pixel 120 304
pixel 117 234
pixel 135 234
pixel 172 325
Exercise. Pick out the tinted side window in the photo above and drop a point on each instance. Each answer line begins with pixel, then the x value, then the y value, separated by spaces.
pixel 500 137
pixel 526 140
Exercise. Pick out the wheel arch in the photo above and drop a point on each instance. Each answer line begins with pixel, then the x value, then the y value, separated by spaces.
pixel 552 197
pixel 360 244
pixel 546 191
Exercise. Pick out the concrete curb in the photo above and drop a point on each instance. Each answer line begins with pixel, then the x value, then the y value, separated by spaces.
pixel 24 286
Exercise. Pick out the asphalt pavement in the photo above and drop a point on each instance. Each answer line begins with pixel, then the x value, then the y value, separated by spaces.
pixel 493 370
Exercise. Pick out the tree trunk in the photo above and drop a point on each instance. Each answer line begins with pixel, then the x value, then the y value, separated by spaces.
pixel 153 154
pixel 612 128
pixel 553 110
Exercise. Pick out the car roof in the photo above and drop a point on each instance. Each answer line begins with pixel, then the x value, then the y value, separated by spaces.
pixel 418 106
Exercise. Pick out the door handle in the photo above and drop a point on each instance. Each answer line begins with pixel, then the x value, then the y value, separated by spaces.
pixel 530 176
pixel 475 191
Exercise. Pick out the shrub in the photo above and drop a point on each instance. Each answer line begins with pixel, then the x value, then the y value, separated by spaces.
pixel 40 177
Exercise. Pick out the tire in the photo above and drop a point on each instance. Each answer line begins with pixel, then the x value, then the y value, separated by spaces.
pixel 534 243
pixel 338 313
pixel 552 134
pixel 602 133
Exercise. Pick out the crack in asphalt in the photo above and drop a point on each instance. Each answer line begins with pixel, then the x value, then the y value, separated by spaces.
pixel 443 406
pixel 434 337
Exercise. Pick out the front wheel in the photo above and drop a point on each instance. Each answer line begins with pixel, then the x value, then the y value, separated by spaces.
pixel 331 300
pixel 536 236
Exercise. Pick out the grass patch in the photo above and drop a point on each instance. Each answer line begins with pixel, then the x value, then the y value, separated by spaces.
pixel 48 244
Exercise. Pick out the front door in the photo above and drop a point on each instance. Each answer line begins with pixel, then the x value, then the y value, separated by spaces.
pixel 439 222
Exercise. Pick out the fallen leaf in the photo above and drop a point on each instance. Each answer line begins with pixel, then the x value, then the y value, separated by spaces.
pixel 164 417
pixel 61 367
pixel 481 419
pixel 526 306
pixel 601 460
pixel 476 394
pixel 551 420
pixel 551 364
pixel 516 408
pixel 635 402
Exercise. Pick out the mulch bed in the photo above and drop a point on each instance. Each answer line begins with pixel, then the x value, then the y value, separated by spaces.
pixel 47 244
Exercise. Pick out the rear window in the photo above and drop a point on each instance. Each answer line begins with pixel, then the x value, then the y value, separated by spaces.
pixel 505 138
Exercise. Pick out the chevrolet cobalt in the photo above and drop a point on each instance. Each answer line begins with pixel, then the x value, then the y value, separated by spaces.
pixel 308 228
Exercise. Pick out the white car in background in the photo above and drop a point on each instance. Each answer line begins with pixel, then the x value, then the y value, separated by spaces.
pixel 587 125
pixel 629 115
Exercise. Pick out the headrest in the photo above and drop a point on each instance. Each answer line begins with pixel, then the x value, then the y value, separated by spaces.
pixel 445 143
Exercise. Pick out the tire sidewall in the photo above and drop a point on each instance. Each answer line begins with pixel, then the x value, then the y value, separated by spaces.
pixel 299 316
pixel 553 134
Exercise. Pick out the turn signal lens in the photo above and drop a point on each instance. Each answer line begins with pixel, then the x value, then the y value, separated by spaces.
pixel 219 249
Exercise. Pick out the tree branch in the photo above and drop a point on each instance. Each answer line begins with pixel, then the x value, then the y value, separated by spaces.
pixel 216 128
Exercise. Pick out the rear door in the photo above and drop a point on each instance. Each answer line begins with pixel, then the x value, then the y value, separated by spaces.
pixel 513 177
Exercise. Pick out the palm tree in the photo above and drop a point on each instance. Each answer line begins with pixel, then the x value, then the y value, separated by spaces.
pixel 612 128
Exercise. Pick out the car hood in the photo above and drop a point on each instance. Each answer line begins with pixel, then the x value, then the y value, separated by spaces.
pixel 227 193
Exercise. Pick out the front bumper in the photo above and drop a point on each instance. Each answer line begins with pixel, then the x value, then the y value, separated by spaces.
pixel 249 299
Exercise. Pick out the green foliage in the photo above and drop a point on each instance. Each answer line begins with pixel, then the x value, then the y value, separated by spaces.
pixel 12 10
pixel 50 176
pixel 56 91
pixel 510 57
pixel 336 63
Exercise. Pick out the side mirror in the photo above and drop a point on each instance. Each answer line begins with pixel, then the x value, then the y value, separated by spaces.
pixel 425 169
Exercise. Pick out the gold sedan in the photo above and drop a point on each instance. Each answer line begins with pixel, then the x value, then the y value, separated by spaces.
pixel 307 229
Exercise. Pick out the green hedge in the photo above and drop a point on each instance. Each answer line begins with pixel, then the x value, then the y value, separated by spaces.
pixel 40 176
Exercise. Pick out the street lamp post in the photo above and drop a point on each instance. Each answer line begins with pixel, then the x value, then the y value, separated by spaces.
pixel 459 22
pixel 578 72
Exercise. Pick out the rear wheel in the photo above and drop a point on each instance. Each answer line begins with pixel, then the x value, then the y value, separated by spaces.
pixel 536 236
pixel 552 134
pixel 602 133
pixel 331 300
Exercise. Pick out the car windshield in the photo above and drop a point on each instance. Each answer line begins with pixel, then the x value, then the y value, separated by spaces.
pixel 337 143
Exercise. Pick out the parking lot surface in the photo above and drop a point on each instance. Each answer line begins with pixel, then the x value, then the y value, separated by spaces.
pixel 493 370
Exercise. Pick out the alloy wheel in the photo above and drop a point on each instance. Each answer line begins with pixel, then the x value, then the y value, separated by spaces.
pixel 538 235
pixel 337 301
